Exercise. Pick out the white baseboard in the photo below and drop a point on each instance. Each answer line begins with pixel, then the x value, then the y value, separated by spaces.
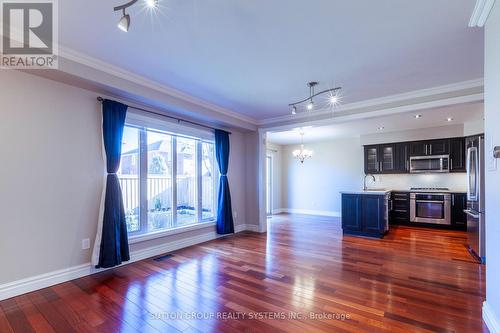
pixel 491 320
pixel 45 280
pixel 311 212
pixel 246 227
pixel 23 286
pixel 278 211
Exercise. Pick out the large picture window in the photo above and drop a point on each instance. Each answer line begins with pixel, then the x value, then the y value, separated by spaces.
pixel 168 179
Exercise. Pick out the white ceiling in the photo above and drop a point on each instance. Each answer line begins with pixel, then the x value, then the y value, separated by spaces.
pixel 255 57
pixel 437 117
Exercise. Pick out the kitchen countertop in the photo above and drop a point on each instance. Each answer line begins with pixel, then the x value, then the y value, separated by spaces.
pixel 385 191
pixel 368 192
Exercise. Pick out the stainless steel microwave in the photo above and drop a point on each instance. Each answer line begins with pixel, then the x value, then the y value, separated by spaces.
pixel 430 164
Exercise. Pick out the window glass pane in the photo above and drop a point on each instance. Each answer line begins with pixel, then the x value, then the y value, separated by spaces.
pixel 208 180
pixel 128 174
pixel 159 181
pixel 186 181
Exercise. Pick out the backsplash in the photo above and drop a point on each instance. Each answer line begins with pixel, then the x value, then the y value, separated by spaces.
pixel 454 181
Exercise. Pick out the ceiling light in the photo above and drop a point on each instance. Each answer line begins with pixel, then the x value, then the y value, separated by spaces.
pixel 381 128
pixel 449 119
pixel 333 100
pixel 151 3
pixel 124 23
pixel 417 116
pixel 302 154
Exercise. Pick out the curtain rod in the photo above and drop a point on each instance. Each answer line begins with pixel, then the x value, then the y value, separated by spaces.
pixel 100 99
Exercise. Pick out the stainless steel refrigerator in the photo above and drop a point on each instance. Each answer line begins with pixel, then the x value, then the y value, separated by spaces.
pixel 475 197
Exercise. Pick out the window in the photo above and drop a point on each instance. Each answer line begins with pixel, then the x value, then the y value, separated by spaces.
pixel 167 178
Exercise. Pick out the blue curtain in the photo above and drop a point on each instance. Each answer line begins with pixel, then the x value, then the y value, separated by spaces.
pixel 114 241
pixel 225 224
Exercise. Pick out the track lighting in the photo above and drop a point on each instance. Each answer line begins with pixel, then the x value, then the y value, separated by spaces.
pixel 124 23
pixel 333 99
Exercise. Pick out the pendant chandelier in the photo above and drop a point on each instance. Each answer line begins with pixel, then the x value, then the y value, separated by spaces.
pixel 302 154
pixel 333 98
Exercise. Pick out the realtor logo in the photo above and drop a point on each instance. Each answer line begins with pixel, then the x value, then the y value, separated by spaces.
pixel 29 34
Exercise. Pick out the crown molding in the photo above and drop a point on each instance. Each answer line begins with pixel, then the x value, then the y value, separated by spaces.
pixel 397 101
pixel 124 74
pixel 481 12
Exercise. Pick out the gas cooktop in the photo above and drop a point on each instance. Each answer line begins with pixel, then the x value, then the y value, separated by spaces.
pixel 429 189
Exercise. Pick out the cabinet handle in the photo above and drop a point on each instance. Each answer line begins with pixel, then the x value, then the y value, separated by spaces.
pixel 453 199
pixel 451 164
pixel 425 149
pixel 430 149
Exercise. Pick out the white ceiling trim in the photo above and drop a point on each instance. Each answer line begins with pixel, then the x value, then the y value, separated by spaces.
pixel 339 118
pixel 108 68
pixel 399 98
pixel 481 12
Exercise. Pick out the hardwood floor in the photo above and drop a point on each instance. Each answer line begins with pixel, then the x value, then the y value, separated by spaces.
pixel 414 280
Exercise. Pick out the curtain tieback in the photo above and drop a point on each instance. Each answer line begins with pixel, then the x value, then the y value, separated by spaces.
pixel 224 175
pixel 112 173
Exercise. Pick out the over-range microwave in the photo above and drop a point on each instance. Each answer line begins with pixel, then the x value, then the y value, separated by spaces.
pixel 430 164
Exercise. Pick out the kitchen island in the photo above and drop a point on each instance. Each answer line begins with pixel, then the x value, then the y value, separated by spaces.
pixel 366 212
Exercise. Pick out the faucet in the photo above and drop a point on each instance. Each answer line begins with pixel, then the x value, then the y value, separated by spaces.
pixel 364 181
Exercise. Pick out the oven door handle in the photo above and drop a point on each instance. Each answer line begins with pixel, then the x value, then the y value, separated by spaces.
pixel 471 213
pixel 430 201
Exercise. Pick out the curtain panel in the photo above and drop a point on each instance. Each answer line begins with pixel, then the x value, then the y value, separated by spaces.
pixel 225 224
pixel 111 245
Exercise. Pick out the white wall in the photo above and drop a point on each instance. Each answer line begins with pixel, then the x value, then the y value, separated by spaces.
pixel 492 134
pixel 51 176
pixel 315 185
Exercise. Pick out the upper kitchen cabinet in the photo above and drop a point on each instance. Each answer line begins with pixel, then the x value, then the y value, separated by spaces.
pixel 372 164
pixel 430 148
pixel 380 159
pixel 457 155
pixel 401 158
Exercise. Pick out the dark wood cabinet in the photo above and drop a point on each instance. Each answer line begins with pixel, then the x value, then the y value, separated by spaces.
pixel 401 158
pixel 364 214
pixel 418 148
pixel 430 147
pixel 380 159
pixel 394 158
pixel 351 212
pixel 372 164
pixel 457 155
pixel 458 204
pixel 400 212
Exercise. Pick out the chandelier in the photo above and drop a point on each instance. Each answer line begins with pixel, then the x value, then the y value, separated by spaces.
pixel 333 98
pixel 302 154
pixel 124 23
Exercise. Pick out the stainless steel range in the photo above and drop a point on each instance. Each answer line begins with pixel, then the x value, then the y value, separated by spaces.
pixel 430 205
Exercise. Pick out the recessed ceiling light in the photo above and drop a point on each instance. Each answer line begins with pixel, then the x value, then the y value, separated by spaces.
pixel 449 119
pixel 418 116
pixel 381 128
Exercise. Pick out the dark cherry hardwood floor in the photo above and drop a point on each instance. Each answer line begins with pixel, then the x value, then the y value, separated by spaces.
pixel 302 277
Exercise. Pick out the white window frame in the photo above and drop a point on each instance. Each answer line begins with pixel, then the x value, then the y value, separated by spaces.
pixel 157 123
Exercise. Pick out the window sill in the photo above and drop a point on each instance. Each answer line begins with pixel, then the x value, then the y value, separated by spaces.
pixel 164 233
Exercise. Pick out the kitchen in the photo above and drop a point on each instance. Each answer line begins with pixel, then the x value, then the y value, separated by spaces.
pixel 451 196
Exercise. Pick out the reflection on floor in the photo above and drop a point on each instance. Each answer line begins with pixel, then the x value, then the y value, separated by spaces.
pixel 302 277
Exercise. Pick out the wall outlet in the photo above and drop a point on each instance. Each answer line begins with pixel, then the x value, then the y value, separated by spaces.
pixel 235 215
pixel 85 244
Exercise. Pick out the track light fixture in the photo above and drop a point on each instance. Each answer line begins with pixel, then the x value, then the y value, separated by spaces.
pixel 333 99
pixel 124 23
